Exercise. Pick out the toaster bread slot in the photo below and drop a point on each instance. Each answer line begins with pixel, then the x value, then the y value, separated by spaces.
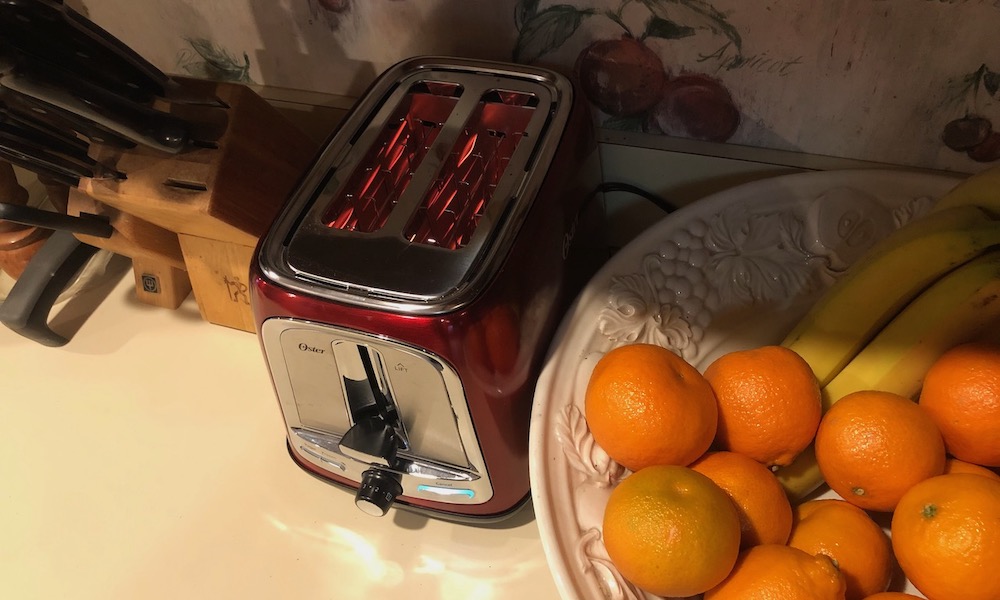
pixel 451 210
pixel 373 189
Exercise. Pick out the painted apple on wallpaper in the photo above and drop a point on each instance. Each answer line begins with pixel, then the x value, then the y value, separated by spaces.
pixel 330 11
pixel 973 132
pixel 626 79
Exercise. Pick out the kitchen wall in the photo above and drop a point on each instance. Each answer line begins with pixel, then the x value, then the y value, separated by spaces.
pixel 907 82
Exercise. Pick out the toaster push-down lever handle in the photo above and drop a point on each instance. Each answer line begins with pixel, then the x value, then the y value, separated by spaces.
pixel 372 440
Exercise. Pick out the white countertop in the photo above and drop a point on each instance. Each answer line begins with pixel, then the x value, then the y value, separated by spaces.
pixel 146 459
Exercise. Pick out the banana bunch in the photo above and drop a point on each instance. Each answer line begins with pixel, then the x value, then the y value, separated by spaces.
pixel 928 286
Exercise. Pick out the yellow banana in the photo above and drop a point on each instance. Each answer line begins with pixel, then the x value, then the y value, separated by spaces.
pixel 960 306
pixel 892 273
pixel 957 308
pixel 981 189
pixel 801 477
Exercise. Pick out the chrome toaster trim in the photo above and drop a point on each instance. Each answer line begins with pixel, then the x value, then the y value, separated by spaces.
pixel 437 479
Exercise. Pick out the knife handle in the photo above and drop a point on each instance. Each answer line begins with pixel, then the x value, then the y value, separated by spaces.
pixel 27 164
pixel 28 108
pixel 137 123
pixel 42 138
pixel 55 32
pixel 27 307
pixel 85 224
pixel 58 136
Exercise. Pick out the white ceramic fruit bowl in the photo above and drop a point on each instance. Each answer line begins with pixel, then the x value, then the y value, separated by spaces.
pixel 732 271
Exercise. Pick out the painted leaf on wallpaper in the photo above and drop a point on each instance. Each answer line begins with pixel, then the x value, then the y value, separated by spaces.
pixel 524 12
pixel 701 15
pixel 547 30
pixel 666 29
pixel 207 60
pixel 991 81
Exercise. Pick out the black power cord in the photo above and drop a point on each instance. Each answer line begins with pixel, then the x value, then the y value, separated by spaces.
pixel 617 186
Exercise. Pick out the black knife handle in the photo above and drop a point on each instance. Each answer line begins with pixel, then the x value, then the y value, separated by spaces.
pixel 55 265
pixel 64 178
pixel 85 224
pixel 29 108
pixel 132 121
pixel 40 138
pixel 56 33
pixel 61 140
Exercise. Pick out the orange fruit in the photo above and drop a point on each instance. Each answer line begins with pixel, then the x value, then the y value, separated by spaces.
pixel 771 571
pixel 953 465
pixel 946 536
pixel 961 392
pixel 769 403
pixel 873 446
pixel 671 531
pixel 855 543
pixel 647 406
pixel 764 510
pixel 893 596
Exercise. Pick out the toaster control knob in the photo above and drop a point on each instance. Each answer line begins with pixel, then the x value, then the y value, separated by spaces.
pixel 378 491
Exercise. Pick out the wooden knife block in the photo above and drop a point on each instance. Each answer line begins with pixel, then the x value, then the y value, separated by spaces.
pixel 217 200
pixel 161 277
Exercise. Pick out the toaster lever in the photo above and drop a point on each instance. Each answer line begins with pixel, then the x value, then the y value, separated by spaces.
pixel 370 440
pixel 367 390
pixel 374 441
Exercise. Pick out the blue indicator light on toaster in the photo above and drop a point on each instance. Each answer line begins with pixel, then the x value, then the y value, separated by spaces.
pixel 445 491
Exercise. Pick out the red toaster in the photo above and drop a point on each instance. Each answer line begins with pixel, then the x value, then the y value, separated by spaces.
pixel 406 295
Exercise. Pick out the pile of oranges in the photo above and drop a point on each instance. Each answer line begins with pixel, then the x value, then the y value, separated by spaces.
pixel 702 511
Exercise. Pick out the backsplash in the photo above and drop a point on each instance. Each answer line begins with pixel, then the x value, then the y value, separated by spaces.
pixel 906 82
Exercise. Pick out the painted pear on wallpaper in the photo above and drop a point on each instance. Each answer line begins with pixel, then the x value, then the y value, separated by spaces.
pixel 626 79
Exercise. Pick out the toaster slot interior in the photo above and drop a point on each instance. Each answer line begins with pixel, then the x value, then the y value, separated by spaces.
pixel 451 210
pixel 373 189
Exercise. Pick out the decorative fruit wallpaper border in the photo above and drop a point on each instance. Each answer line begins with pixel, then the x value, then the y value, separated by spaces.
pixel 906 82
pixel 626 78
